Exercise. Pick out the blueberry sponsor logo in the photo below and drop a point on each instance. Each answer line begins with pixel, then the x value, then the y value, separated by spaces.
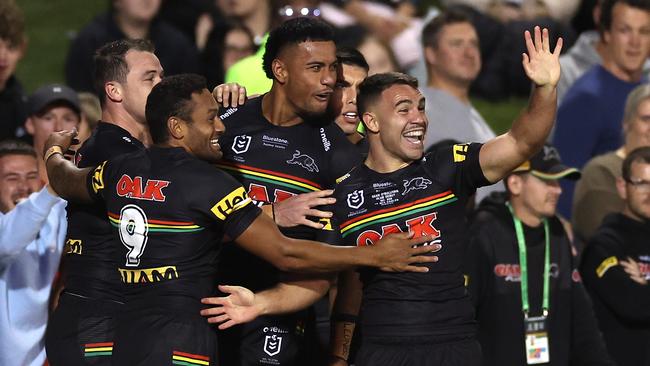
pixel 414 184
pixel 355 199
pixel 241 143
pixel 304 161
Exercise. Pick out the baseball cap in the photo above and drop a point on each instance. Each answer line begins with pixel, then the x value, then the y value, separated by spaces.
pixel 49 94
pixel 546 164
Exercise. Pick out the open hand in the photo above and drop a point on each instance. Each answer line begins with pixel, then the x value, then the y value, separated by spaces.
pixel 541 66
pixel 294 211
pixel 398 252
pixel 236 308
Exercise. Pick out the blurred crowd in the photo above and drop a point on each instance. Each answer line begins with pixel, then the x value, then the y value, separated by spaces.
pixel 589 187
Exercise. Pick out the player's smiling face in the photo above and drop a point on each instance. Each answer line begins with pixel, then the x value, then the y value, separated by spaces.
pixel 205 128
pixel 402 122
pixel 309 76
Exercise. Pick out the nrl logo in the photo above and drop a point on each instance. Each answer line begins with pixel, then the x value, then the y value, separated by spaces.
pixel 241 143
pixel 355 199
pixel 414 184
pixel 272 345
pixel 304 161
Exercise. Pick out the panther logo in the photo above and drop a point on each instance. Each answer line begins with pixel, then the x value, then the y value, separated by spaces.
pixel 415 183
pixel 304 161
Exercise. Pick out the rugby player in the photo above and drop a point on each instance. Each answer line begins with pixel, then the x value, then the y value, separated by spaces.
pixel 414 319
pixel 81 328
pixel 171 209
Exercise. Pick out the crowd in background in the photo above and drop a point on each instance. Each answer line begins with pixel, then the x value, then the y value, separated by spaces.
pixel 460 49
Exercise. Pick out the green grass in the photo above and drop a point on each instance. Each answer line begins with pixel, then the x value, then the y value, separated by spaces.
pixel 52 23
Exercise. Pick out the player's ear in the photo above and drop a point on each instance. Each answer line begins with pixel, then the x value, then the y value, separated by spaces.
pixel 370 122
pixel 279 70
pixel 113 91
pixel 176 128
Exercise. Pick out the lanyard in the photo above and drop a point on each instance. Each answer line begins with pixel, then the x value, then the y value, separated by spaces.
pixel 523 264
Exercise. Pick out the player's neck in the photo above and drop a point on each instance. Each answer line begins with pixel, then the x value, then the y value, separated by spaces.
pixel 523 214
pixel 277 109
pixel 126 121
pixel 384 162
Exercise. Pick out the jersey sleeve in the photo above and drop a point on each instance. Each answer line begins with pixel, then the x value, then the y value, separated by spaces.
pixel 225 202
pixel 96 181
pixel 329 234
pixel 458 166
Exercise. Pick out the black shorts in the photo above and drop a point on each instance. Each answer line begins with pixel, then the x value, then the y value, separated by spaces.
pixel 81 330
pixel 156 336
pixel 461 353
pixel 289 340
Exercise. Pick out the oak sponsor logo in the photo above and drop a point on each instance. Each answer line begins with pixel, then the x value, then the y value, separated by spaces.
pixel 148 275
pixel 419 226
pixel 134 188
pixel 73 246
pixel 234 201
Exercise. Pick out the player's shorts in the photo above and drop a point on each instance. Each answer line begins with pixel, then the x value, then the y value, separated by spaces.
pixel 81 330
pixel 460 353
pixel 162 335
pixel 289 340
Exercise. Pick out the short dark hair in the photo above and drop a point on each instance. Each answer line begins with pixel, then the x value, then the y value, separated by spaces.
pixel 351 56
pixel 292 32
pixel 431 31
pixel 110 62
pixel 607 7
pixel 171 97
pixel 639 155
pixel 374 85
pixel 16 147
pixel 12 23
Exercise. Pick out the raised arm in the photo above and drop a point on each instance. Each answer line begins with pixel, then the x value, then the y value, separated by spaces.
pixel 67 180
pixel 501 155
pixel 394 253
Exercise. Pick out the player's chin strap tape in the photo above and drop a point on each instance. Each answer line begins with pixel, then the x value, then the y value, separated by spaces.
pixel 348 318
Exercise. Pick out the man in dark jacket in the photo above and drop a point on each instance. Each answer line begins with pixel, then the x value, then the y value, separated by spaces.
pixel 530 304
pixel 616 266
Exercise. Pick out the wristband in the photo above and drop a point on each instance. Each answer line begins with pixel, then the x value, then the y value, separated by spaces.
pixel 56 149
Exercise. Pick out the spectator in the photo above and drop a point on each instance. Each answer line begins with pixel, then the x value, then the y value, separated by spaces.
pixel 91 113
pixel 379 57
pixel 52 108
pixel 596 195
pixel 530 305
pixel 31 241
pixel 616 266
pixel 593 106
pixel 128 19
pixel 12 47
pixel 453 59
pixel 256 15
pixel 226 44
